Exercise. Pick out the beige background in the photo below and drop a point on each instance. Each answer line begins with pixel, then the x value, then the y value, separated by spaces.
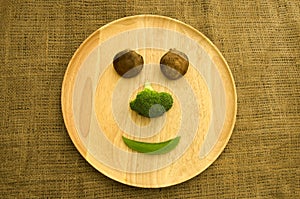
pixel 259 39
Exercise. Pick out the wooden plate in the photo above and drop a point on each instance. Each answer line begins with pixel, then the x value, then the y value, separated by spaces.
pixel 95 102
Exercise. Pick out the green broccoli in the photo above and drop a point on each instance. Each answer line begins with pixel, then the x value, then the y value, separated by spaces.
pixel 150 103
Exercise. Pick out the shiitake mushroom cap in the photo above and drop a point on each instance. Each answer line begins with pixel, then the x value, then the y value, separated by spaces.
pixel 174 64
pixel 128 63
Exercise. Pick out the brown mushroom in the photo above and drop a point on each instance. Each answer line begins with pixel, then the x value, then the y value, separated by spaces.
pixel 128 63
pixel 174 64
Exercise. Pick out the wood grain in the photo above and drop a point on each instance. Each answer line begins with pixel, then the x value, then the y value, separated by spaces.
pixel 89 101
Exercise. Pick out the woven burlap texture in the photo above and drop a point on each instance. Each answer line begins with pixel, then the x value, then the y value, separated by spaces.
pixel 260 41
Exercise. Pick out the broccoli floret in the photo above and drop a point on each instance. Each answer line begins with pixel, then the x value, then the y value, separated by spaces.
pixel 150 103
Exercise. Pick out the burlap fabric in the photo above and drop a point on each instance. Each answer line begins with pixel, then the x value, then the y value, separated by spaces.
pixel 259 39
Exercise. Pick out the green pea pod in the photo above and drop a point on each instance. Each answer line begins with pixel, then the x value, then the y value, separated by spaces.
pixel 152 148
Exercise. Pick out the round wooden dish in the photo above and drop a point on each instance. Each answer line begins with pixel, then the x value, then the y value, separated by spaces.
pixel 95 102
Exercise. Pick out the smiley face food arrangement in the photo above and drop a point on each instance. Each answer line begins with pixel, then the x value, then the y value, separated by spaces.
pixel 148 102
